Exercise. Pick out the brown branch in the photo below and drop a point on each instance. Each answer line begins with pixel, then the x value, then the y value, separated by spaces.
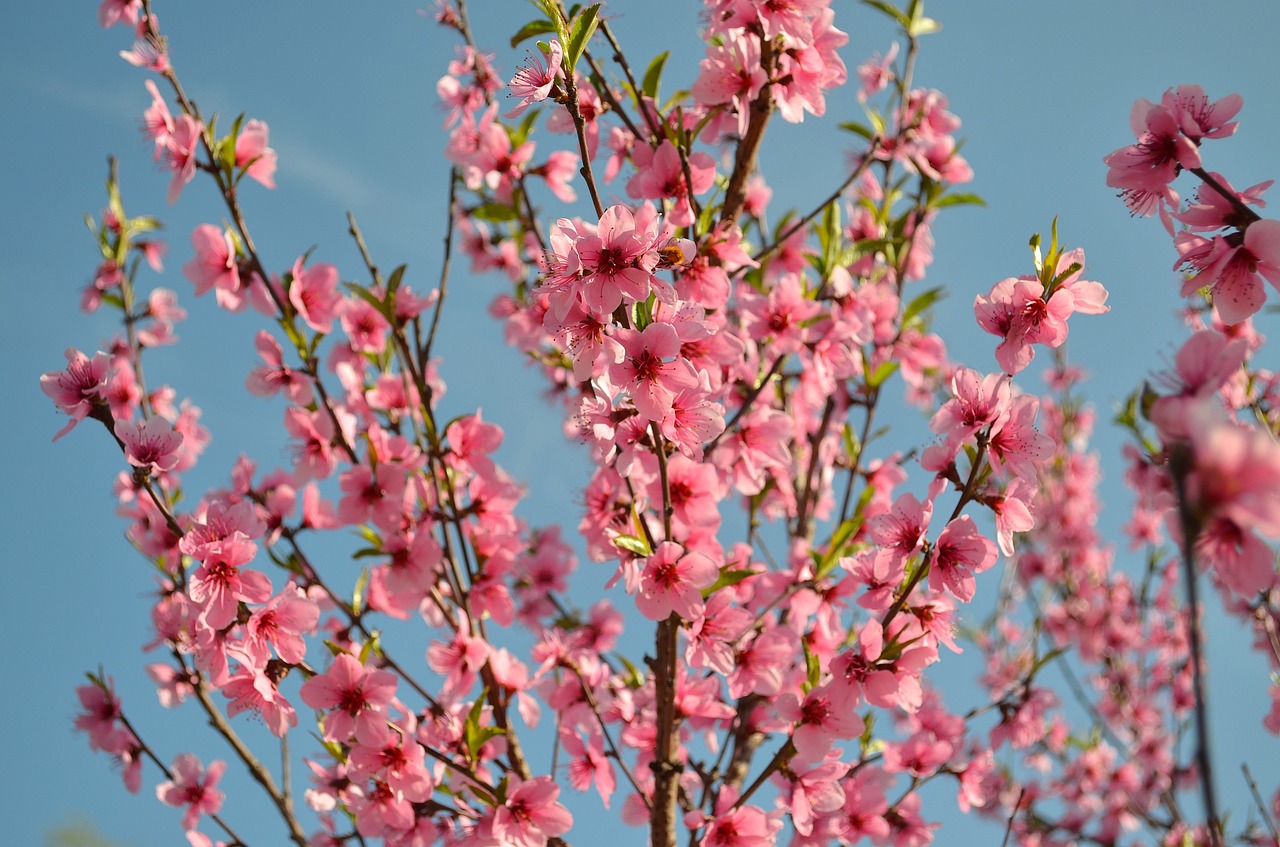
pixel 744 160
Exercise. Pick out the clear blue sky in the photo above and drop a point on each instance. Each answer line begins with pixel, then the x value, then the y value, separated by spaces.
pixel 1044 90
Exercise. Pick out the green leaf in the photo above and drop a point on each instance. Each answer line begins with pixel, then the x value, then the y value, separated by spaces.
pixel 835 548
pixel 813 667
pixel 369 647
pixel 477 735
pixel 357 596
pixel 368 296
pixel 957 200
pixel 922 26
pixel 1044 660
pixel 877 378
pixel 532 29
pixel 520 133
pixel 583 28
pixel 922 302
pixel 495 212
pixel 394 282
pixel 551 10
pixel 727 577
pixel 633 677
pixel 653 75
pixel 857 129
pixel 632 544
pixel 889 10
pixel 143 223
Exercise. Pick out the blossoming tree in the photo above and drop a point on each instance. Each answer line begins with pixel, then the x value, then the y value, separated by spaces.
pixel 791 571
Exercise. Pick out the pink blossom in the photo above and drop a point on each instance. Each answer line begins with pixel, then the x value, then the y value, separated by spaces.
pixel 459 659
pixel 820 719
pixel 1018 311
pixel 215 264
pixel 611 262
pixel 253 153
pixel 350 693
pixel 588 764
pixel 181 153
pixel 282 622
pixel 531 814
pixel 219 585
pixel 271 378
pixel 660 174
pixel 1202 367
pixel 960 551
pixel 101 714
pixel 1015 446
pixel 145 53
pixel 152 443
pixel 1198 118
pixel 157 122
pixel 112 12
pixel 651 369
pixel 314 293
pixel 77 389
pixel 1143 171
pixel 672 581
pixel 193 786
pixel 877 72
pixel 251 689
pixel 534 81
pixel 1230 268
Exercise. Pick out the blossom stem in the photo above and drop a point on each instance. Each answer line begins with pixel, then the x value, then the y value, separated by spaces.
pixel 580 128
pixel 168 774
pixel 744 160
pixel 780 758
pixel 445 262
pixel 1180 463
pixel 1228 195
pixel 608 737
pixel 791 230
pixel 621 60
pixel 746 404
pixel 255 767
pixel 804 523
pixel 855 461
pixel 607 96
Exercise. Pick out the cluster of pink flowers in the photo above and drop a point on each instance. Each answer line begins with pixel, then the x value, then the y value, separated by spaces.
pixel 708 364
pixel 1239 246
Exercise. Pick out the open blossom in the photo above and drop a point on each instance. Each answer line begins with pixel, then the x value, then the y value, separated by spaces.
pixel 193 786
pixel 960 552
pixel 314 293
pixel 672 581
pixel 1230 267
pixel 1234 489
pixel 152 443
pixel 533 82
pixel 350 693
pixel 530 814
pixel 272 377
pixel 215 264
pixel 181 153
pixel 1023 312
pixel 220 584
pixel 652 370
pixel 254 154
pixel 613 262
pixel 1144 170
pixel 79 387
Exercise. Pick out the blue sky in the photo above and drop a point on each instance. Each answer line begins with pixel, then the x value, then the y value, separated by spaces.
pixel 1044 90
